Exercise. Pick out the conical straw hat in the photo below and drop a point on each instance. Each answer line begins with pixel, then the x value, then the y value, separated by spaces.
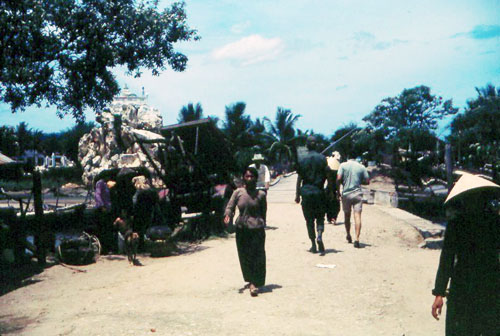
pixel 469 182
pixel 333 163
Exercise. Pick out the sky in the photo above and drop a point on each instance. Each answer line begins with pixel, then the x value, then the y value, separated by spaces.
pixel 329 61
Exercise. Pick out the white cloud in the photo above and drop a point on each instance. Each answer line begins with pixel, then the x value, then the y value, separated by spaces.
pixel 251 49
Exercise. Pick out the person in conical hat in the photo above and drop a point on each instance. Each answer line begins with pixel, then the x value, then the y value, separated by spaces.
pixel 469 259
pixel 469 182
pixel 332 201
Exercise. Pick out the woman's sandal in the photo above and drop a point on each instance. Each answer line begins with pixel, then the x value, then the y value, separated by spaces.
pixel 254 291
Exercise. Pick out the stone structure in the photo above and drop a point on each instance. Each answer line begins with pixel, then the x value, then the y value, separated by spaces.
pixel 112 143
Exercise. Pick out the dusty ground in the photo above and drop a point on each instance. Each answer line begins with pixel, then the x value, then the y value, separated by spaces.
pixel 383 288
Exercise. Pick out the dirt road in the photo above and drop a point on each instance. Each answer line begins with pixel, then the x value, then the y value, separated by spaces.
pixel 384 288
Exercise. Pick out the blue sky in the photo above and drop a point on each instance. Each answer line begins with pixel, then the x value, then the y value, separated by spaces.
pixel 331 61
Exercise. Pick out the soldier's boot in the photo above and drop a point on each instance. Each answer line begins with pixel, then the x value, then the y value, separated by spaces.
pixel 321 247
pixel 313 247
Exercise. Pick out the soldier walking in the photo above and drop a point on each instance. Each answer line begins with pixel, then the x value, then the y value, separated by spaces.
pixel 312 170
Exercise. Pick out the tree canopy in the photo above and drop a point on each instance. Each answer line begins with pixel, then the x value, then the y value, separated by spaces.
pixel 282 134
pixel 237 125
pixel 62 52
pixel 413 109
pixel 475 132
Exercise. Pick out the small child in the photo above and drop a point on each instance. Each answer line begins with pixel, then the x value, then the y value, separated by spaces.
pixel 130 238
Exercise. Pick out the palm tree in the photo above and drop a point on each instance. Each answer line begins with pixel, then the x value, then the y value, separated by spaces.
pixel 237 125
pixel 238 128
pixel 281 135
pixel 190 113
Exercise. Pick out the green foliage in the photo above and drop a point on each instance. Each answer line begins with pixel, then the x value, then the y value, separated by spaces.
pixel 321 140
pixel 8 141
pixel 475 133
pixel 62 52
pixel 409 121
pixel 70 139
pixel 430 208
pixel 13 178
pixel 238 128
pixel 237 125
pixel 190 113
pixel 346 146
pixel 11 171
pixel 413 109
pixel 14 141
pixel 65 174
pixel 282 136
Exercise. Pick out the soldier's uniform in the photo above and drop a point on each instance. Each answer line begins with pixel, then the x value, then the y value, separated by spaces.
pixel 312 169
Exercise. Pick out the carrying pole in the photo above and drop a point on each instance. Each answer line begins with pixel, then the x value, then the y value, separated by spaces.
pixel 344 136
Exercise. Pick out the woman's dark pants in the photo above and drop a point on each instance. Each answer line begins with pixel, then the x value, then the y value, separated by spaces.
pixel 252 254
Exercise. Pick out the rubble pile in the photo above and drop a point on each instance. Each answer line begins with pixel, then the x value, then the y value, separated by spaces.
pixel 112 144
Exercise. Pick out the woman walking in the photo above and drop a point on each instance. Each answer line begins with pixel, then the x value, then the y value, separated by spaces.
pixel 469 260
pixel 250 229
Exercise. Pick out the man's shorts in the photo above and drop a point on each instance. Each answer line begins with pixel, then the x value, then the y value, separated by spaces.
pixel 354 200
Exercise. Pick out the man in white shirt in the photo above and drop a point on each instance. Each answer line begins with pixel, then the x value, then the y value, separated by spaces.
pixel 264 175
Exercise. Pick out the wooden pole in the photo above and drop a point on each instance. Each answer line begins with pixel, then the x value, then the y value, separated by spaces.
pixel 38 203
pixel 449 166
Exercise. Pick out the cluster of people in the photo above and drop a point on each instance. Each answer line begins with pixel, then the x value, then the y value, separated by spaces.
pixel 313 171
pixel 129 200
pixel 469 258
pixel 343 183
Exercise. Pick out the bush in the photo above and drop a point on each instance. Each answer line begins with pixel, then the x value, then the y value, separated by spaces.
pixel 430 208
pixel 11 171
pixel 64 173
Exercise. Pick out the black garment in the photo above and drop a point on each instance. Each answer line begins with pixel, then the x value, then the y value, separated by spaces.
pixel 121 196
pixel 312 170
pixel 146 207
pixel 104 230
pixel 332 202
pixel 470 259
pixel 313 208
pixel 252 254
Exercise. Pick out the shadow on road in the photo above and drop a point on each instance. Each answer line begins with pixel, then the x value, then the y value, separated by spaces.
pixel 269 288
pixel 113 257
pixel 183 248
pixel 14 324
pixel 332 251
pixel 17 276
pixel 264 289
